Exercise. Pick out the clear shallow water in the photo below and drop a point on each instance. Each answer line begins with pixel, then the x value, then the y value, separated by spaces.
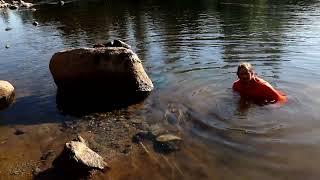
pixel 190 51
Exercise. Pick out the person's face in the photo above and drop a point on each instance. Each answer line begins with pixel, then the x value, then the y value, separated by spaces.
pixel 244 75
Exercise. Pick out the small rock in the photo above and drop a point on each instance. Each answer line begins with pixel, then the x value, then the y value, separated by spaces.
pixel 60 3
pixel 33 9
pixel 8 29
pixel 47 154
pixel 126 125
pixel 13 7
pixel 35 23
pixel 168 137
pixel 36 171
pixel 19 132
pixel 167 143
pixel 140 136
pixel 136 121
pixel 7 46
pixel 80 139
pixel 77 156
pixel 127 149
pixel 117 43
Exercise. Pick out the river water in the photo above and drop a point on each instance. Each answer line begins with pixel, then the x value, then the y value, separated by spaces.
pixel 190 50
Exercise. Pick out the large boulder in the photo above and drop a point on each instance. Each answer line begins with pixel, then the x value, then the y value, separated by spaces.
pixel 6 94
pixel 113 72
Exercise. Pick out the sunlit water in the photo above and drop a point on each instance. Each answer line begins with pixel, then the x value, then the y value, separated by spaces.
pixel 190 50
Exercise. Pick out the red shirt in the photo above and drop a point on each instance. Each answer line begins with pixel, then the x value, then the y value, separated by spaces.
pixel 259 90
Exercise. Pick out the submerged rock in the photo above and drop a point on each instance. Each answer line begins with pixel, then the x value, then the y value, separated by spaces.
pixel 164 143
pixel 167 138
pixel 19 132
pixel 8 29
pixel 13 6
pixel 114 43
pixel 117 43
pixel 35 23
pixel 6 94
pixel 167 143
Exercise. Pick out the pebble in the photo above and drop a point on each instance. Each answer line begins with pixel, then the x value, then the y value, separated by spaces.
pixel 18 132
pixel 8 29
pixel 35 23
pixel 13 7
pixel 168 137
pixel 36 171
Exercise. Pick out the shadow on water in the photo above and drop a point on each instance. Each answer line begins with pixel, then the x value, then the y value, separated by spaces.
pixel 80 103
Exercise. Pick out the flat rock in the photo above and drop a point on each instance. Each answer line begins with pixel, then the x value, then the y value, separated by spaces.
pixel 167 143
pixel 168 137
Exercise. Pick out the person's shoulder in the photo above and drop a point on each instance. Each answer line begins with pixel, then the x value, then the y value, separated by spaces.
pixel 261 81
pixel 236 85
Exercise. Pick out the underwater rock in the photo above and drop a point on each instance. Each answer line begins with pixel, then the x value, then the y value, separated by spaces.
pixel 8 29
pixel 117 43
pixel 13 7
pixel 167 143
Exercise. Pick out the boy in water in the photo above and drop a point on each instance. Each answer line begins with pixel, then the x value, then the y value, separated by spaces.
pixel 254 88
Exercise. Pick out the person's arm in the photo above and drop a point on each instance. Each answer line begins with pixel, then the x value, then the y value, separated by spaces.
pixel 272 94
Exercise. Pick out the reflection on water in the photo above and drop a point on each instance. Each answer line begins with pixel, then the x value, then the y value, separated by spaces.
pixel 191 51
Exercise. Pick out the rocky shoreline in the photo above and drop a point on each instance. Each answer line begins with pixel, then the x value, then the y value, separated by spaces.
pixel 31 153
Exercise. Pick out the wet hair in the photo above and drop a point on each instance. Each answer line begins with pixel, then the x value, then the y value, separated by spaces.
pixel 246 66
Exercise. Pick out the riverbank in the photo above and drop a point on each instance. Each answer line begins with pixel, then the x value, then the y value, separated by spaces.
pixel 27 152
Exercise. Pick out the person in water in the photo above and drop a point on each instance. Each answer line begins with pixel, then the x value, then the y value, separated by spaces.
pixel 251 87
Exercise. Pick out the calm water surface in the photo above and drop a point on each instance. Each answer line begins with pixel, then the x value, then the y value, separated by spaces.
pixel 190 50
